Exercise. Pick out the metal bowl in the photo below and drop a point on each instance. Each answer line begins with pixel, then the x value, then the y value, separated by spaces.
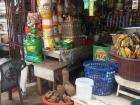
pixel 131 30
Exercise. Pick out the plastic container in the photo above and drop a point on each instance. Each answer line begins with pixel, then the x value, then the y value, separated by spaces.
pixel 128 68
pixel 45 102
pixel 102 73
pixel 135 102
pixel 83 84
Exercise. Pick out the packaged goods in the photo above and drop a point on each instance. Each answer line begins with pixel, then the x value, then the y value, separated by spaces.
pixel 33 49
pixel 100 52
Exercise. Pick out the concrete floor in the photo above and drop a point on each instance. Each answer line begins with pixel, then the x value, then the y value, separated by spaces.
pixel 33 98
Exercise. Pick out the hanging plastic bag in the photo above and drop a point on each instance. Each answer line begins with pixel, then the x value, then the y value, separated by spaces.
pixel 33 49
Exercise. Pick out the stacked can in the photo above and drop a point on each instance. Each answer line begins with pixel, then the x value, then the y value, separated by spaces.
pixel 45 9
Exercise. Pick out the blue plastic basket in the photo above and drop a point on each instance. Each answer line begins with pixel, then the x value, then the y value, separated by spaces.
pixel 102 72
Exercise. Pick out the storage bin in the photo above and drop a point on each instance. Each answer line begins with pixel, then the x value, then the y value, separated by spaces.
pixel 102 73
pixel 129 69
pixel 45 102
pixel 83 84
pixel 100 52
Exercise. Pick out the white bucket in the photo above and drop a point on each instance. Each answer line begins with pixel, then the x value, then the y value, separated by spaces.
pixel 84 88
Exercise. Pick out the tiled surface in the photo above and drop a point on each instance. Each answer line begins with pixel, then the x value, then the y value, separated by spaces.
pixel 108 100
pixel 34 99
pixel 113 100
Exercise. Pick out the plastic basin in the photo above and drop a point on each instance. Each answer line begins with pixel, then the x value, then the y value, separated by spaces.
pixel 45 102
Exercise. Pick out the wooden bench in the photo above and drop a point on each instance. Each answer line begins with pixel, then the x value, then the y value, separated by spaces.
pixel 131 85
pixel 50 70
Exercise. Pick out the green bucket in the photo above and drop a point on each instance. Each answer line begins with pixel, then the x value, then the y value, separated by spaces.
pixel 135 102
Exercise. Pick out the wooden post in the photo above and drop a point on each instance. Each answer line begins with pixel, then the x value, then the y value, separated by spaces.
pixel 33 5
pixel 39 85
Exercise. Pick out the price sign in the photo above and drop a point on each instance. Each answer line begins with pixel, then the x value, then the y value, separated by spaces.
pixel 135 4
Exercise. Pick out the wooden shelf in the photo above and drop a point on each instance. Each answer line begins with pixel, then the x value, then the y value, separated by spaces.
pixel 3 32
pixel 4 47
pixel 3 44
pixel 3 20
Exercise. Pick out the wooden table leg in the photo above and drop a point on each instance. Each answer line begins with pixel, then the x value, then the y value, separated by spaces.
pixel 39 85
pixel 117 94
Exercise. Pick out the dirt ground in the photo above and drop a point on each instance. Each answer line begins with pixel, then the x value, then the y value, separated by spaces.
pixel 33 98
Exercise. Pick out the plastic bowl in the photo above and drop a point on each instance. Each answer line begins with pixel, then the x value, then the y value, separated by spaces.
pixel 45 102
pixel 135 102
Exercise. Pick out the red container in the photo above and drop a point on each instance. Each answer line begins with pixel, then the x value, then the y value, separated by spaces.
pixel 45 102
pixel 27 29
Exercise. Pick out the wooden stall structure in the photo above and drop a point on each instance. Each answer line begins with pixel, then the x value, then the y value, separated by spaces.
pixel 16 11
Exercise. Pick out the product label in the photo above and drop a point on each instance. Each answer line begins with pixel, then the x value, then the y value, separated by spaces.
pixel 91 12
pixel 91 8
pixel 47 22
pixel 101 54
pixel 135 4
pixel 86 4
pixel 31 48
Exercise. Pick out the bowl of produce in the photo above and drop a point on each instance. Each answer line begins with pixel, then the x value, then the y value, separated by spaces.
pixel 131 30
pixel 46 102
pixel 128 56
pixel 60 96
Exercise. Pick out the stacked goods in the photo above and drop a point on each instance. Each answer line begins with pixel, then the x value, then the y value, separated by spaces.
pixel 32 40
pixel 55 24
pixel 128 46
pixel 34 26
pixel 45 9
pixel 59 14
pixel 55 18
pixel 51 13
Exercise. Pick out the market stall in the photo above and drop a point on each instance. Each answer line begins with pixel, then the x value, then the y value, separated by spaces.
pixel 95 43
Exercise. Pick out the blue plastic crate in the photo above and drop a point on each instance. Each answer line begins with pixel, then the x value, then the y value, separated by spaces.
pixel 102 72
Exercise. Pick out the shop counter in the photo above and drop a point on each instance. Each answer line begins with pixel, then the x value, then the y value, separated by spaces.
pixel 50 70
pixel 71 56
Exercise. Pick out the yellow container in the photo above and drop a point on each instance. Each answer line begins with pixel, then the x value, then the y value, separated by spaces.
pixel 47 32
pixel 48 42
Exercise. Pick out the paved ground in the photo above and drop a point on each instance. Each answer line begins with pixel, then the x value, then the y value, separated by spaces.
pixel 34 99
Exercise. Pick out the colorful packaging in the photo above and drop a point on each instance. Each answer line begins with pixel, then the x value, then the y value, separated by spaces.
pixel 44 6
pixel 48 42
pixel 33 49
pixel 32 19
pixel 100 52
